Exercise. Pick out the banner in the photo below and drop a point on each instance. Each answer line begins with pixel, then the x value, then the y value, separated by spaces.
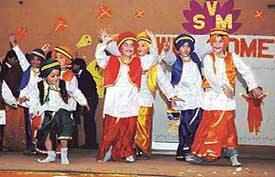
pixel 258 52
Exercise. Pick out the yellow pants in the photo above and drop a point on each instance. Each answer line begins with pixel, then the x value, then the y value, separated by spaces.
pixel 143 138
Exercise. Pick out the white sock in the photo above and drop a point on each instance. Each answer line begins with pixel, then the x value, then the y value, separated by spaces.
pixel 64 156
pixel 50 158
pixel 234 161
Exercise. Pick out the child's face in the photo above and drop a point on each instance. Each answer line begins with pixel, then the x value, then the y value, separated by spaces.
pixel 61 59
pixel 143 48
pixel 218 44
pixel 75 68
pixel 127 48
pixel 12 61
pixel 53 77
pixel 185 50
pixel 35 62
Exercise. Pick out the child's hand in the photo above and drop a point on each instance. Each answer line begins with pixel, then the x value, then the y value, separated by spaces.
pixel 104 36
pixel 22 99
pixel 167 45
pixel 175 98
pixel 150 34
pixel 87 107
pixel 229 92
pixel 12 40
pixel 241 94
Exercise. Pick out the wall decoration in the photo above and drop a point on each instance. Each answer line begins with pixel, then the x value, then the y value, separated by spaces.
pixel 60 24
pixel 139 14
pixel 84 41
pixel 104 12
pixel 21 33
pixel 201 19
pixel 259 15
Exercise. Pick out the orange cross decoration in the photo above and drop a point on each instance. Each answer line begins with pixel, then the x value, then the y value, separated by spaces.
pixel 139 14
pixel 104 11
pixel 60 24
pixel 259 15
pixel 21 33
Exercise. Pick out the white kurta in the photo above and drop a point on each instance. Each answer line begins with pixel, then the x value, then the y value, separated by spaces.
pixel 9 99
pixel 214 97
pixel 72 83
pixel 34 75
pixel 121 99
pixel 189 87
pixel 55 100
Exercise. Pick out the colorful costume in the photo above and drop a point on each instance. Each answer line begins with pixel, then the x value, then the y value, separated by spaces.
pixel 254 114
pixel 29 80
pixel 186 79
pixel 217 131
pixel 122 82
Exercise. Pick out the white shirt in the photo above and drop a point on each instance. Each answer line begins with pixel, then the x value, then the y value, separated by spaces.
pixel 9 99
pixel 214 97
pixel 189 87
pixel 34 75
pixel 55 100
pixel 72 83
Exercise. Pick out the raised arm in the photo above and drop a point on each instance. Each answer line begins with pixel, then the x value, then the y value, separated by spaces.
pixel 24 64
pixel 100 55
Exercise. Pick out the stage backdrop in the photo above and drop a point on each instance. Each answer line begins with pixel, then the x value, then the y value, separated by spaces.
pixel 258 52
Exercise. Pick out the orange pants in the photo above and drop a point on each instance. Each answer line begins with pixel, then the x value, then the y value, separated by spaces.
pixel 119 133
pixel 216 131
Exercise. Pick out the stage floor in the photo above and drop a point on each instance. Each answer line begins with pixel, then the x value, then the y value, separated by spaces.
pixel 83 162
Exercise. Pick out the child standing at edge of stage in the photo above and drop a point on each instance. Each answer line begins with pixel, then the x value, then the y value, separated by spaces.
pixel 186 79
pixel 30 68
pixel 6 97
pixel 50 100
pixel 217 133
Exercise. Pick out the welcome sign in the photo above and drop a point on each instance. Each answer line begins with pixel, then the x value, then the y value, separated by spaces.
pixel 201 19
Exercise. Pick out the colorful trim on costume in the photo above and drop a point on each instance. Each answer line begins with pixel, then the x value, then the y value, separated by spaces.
pixel 50 65
pixel 125 39
pixel 184 38
pixel 64 52
pixel 39 54
pixel 144 39
pixel 219 31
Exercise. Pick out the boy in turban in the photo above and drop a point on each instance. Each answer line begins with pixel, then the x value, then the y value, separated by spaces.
pixel 217 133
pixel 50 100
pixel 186 79
pixel 30 67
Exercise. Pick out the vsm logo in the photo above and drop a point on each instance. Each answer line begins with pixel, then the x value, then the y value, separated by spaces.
pixel 202 19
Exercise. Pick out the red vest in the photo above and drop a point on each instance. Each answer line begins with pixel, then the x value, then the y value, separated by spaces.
pixel 110 73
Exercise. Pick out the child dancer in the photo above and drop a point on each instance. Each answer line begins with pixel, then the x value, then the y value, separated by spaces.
pixel 186 79
pixel 50 99
pixel 217 131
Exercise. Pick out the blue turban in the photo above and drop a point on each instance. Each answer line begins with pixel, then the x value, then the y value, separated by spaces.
pixel 36 53
pixel 181 39
pixel 47 67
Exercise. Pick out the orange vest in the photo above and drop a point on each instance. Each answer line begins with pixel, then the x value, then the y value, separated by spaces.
pixel 229 69
pixel 67 75
pixel 110 73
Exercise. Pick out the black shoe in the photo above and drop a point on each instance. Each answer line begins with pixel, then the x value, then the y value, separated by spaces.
pixel 142 156
pixel 30 152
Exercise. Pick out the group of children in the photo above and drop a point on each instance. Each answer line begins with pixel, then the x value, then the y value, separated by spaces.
pixel 133 71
